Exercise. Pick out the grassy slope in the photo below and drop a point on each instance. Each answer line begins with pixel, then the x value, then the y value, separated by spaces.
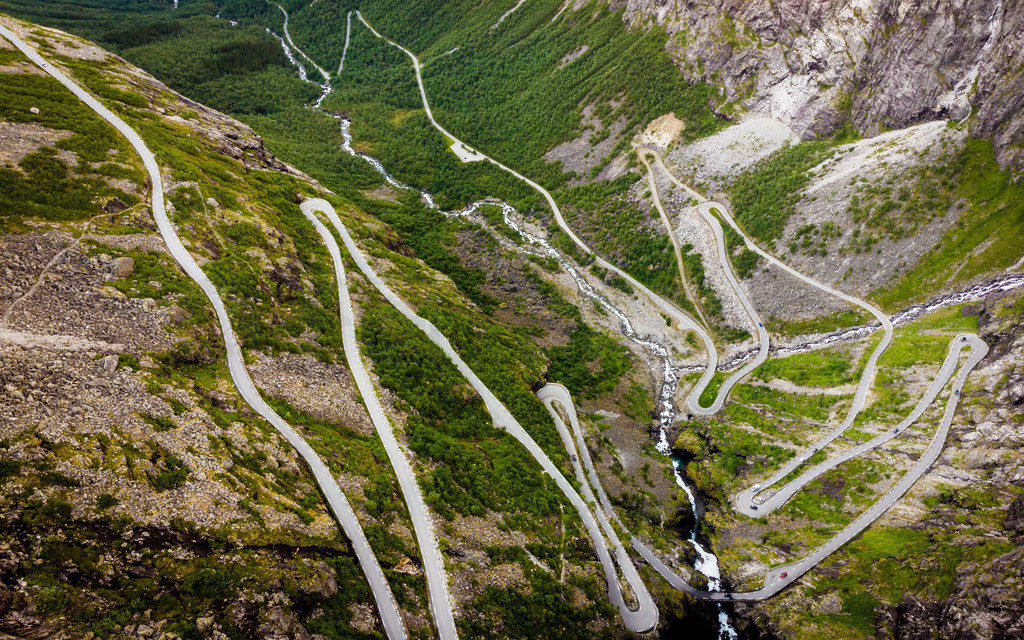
pixel 420 28
pixel 986 239
pixel 207 581
pixel 236 271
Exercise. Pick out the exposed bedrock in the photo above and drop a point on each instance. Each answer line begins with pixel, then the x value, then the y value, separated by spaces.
pixel 878 63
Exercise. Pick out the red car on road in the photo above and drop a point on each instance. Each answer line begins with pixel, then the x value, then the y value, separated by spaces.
pixel 784 574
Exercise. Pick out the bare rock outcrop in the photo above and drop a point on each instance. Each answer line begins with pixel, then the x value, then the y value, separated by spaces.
pixel 985 604
pixel 878 63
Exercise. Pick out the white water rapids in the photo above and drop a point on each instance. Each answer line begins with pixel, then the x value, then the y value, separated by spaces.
pixel 706 562
pixel 973 293
pixel 325 86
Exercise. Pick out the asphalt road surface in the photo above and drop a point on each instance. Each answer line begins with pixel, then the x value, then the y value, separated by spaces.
pixel 386 606
pixel 705 208
pixel 683 321
pixel 645 616
pixel 433 561
pixel 773 581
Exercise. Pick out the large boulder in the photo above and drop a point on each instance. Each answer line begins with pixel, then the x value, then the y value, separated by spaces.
pixel 122 267
pixel 109 363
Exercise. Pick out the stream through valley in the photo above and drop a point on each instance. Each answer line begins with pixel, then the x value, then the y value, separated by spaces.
pixel 706 563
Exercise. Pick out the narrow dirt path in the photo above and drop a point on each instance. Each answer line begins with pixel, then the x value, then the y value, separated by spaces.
pixel 655 195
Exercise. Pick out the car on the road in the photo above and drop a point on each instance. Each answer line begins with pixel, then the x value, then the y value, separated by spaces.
pixel 756 486
pixel 895 430
pixel 754 507
pixel 783 574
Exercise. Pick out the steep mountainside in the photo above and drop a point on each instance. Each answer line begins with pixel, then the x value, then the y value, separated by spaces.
pixel 857 146
pixel 882 64
pixel 143 497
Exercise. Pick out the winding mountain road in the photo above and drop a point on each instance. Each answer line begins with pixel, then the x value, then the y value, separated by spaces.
pixel 656 196
pixel 556 393
pixel 386 605
pixel 348 32
pixel 779 498
pixel 744 501
pixel 645 616
pixel 773 581
pixel 288 36
pixel 598 522
pixel 433 562
pixel 705 208
pixel 683 321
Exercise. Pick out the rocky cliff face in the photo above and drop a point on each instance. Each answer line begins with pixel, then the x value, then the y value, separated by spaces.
pixel 876 63
pixel 986 605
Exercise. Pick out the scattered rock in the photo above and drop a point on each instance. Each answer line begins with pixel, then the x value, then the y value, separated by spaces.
pixel 177 315
pixel 114 205
pixel 364 618
pixel 407 567
pixel 122 267
pixel 109 363
pixel 1015 514
pixel 1015 392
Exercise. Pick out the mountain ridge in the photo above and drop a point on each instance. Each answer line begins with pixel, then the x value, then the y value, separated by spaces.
pixel 880 64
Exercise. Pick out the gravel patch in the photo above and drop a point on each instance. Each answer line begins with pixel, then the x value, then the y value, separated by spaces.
pixel 715 160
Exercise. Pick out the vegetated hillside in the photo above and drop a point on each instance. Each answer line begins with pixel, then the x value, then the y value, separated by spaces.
pixel 538 88
pixel 945 561
pixel 517 321
pixel 518 89
pixel 900 217
pixel 880 64
pixel 160 497
pixel 140 493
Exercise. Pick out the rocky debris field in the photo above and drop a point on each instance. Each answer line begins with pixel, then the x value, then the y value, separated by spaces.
pixel 71 297
pixel 520 300
pixel 777 294
pixel 713 161
pixel 325 391
pixel 891 159
pixel 585 152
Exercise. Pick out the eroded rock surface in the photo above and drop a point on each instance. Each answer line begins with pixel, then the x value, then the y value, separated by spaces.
pixel 880 63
